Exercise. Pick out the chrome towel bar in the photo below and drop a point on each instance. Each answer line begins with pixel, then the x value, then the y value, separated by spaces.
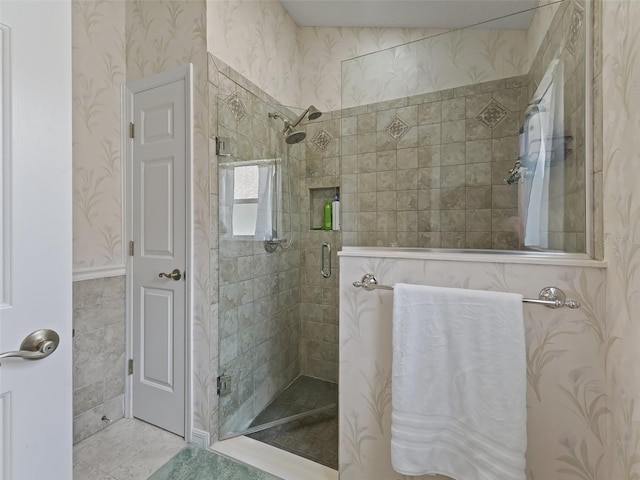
pixel 551 297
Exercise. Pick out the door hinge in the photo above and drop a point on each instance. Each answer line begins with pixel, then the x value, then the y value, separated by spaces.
pixel 131 248
pixel 132 130
pixel 131 366
pixel 223 146
pixel 224 384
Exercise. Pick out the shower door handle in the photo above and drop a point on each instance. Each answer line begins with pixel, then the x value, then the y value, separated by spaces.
pixel 324 273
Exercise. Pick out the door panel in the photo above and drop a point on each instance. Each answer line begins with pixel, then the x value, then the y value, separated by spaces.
pixel 157 209
pixel 157 124
pixel 35 188
pixel 157 330
pixel 159 156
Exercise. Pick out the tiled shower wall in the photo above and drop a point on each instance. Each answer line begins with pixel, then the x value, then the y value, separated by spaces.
pixel 98 354
pixel 427 171
pixel 567 178
pixel 422 171
pixel 259 292
pixel 319 295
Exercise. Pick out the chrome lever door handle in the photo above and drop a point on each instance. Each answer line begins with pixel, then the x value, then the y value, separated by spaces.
pixel 23 354
pixel 175 275
pixel 37 345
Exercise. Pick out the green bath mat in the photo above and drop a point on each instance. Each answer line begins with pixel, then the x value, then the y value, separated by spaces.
pixel 193 463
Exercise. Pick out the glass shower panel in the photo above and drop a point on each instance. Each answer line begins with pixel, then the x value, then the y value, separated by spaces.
pixel 487 130
pixel 259 281
pixel 387 75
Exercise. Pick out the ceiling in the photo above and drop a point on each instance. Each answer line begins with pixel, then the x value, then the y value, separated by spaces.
pixel 410 13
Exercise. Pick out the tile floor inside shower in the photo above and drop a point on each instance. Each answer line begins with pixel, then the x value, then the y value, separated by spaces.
pixel 314 437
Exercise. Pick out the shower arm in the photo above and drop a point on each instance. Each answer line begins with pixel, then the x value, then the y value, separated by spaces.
pixel 287 123
pixel 300 118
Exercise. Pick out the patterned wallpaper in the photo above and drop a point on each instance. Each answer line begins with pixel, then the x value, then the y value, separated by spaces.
pixel 162 35
pixel 621 144
pixel 566 351
pixel 540 25
pixel 260 41
pixel 98 71
pixel 450 60
pixel 298 66
pixel 322 50
pixel 303 65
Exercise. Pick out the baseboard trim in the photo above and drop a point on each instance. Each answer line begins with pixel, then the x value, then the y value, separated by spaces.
pixel 200 438
pixel 91 273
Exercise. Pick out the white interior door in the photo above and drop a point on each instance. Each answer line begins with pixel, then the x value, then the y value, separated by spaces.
pixel 35 237
pixel 160 153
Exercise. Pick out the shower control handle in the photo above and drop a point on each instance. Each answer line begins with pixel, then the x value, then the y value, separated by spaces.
pixel 175 275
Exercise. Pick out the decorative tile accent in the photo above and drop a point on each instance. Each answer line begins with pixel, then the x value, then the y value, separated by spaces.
pixel 492 114
pixel 237 108
pixel 322 140
pixel 575 28
pixel 397 128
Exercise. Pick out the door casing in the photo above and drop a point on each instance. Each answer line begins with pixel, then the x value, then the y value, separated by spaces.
pixel 128 91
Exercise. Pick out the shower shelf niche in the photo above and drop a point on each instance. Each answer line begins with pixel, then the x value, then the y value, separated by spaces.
pixel 317 199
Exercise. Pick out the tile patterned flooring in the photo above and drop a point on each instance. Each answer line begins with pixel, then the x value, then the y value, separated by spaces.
pixel 133 450
pixel 314 437
pixel 193 463
pixel 127 450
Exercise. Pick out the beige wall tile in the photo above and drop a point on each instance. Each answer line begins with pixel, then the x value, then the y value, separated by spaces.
pixel 430 113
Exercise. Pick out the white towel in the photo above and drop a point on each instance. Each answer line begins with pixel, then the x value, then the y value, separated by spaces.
pixel 459 383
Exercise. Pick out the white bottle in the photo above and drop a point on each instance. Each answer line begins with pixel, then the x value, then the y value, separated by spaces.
pixel 335 213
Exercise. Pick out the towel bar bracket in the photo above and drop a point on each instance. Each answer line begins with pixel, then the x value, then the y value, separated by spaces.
pixel 551 297
pixel 370 282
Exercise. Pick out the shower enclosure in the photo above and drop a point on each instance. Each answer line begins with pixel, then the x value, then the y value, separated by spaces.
pixel 264 388
pixel 469 139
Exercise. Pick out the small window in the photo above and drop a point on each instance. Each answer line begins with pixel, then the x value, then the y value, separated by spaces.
pixel 250 199
pixel 245 201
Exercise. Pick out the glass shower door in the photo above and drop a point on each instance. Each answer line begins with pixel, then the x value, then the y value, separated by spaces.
pixel 260 387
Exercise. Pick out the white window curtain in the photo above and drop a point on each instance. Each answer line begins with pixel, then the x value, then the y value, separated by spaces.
pixel 542 136
pixel 268 220
pixel 226 177
pixel 268 202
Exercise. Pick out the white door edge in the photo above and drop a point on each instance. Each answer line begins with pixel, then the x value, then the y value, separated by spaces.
pixel 128 91
pixel 5 166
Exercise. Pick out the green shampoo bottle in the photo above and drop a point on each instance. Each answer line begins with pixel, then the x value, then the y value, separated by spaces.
pixel 327 215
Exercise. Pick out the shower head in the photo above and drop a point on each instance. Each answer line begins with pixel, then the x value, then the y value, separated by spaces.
pixel 313 113
pixel 292 136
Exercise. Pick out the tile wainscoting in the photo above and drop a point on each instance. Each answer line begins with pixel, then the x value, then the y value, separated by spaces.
pixel 98 354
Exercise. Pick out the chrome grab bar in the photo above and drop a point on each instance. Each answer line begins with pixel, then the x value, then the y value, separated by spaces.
pixel 325 274
pixel 551 297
